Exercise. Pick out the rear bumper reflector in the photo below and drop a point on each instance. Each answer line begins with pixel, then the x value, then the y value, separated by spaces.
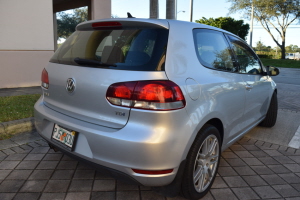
pixel 152 172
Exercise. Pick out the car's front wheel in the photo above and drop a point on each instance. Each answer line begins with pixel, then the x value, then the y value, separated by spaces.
pixel 202 163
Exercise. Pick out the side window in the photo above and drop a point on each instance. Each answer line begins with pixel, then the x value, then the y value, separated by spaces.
pixel 212 50
pixel 248 61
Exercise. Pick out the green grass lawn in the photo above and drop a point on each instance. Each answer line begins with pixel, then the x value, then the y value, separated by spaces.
pixel 17 107
pixel 281 63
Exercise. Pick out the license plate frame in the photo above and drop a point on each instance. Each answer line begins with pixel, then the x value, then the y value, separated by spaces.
pixel 64 137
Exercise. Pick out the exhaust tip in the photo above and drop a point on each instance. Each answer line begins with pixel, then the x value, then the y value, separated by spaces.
pixel 53 147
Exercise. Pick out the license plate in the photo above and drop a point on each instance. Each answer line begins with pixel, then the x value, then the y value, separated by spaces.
pixel 64 136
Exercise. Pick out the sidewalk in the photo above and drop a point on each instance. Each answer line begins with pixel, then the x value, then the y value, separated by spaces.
pixel 249 169
pixel 20 91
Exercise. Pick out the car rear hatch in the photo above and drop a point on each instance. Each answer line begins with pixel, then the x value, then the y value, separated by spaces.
pixel 97 55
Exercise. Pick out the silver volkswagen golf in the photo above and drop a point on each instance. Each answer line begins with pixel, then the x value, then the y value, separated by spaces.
pixel 154 102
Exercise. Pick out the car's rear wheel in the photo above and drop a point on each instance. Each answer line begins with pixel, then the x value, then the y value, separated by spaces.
pixel 202 163
pixel 271 116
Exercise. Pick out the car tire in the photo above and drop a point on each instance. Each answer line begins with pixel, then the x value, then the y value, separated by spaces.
pixel 271 116
pixel 202 163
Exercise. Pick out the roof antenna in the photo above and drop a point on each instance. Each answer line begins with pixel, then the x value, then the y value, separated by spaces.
pixel 129 15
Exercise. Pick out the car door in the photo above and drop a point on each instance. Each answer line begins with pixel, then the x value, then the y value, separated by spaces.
pixel 257 85
pixel 220 82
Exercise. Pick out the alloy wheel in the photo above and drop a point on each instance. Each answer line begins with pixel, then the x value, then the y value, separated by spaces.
pixel 206 163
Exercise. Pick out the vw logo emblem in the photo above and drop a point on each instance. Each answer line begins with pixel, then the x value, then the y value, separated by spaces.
pixel 70 87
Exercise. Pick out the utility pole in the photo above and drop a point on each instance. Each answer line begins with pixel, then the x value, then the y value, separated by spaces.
pixel 154 9
pixel 277 46
pixel 251 26
pixel 171 9
pixel 191 11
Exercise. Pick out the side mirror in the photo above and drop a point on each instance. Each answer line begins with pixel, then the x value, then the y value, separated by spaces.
pixel 272 71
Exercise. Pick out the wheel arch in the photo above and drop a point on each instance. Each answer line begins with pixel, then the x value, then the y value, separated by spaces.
pixel 219 125
pixel 211 121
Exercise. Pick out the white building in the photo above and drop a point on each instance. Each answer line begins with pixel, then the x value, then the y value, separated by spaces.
pixel 27 32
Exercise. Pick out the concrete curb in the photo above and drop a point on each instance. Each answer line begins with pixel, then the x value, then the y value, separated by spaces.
pixel 17 126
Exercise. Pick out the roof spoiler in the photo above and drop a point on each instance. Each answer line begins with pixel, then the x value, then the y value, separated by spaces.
pixel 122 23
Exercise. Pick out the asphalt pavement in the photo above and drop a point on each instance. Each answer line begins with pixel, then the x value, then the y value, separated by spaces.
pixel 259 166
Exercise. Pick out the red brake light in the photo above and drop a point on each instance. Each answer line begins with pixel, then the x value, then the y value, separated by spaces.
pixel 45 79
pixel 158 91
pixel 121 90
pixel 106 24
pixel 150 95
pixel 151 172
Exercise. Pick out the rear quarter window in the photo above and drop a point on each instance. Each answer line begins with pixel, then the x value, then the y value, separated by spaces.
pixel 213 50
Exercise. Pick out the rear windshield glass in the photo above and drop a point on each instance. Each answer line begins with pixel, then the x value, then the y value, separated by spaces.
pixel 126 49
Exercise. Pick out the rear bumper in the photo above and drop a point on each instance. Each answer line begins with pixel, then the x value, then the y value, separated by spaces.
pixel 157 142
pixel 108 171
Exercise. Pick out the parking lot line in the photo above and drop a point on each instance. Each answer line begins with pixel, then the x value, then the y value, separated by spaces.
pixel 295 141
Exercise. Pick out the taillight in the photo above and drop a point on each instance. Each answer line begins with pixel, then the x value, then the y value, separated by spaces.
pixel 121 94
pixel 150 95
pixel 45 79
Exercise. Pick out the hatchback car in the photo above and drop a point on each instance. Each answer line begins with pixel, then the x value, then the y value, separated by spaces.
pixel 154 102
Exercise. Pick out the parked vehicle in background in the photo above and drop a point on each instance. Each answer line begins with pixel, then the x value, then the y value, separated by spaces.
pixel 154 102
pixel 293 56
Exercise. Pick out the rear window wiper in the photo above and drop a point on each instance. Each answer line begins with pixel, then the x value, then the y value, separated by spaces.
pixel 81 61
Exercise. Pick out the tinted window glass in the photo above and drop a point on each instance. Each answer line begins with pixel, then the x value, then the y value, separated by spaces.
pixel 212 50
pixel 248 61
pixel 126 49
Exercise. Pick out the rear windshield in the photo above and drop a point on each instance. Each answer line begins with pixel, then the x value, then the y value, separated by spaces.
pixel 126 49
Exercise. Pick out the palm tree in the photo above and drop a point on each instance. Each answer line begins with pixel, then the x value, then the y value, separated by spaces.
pixel 154 9
pixel 171 9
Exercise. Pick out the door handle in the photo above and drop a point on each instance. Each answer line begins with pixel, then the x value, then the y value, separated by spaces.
pixel 249 87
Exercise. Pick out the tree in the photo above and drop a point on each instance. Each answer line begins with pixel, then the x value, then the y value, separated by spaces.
pixel 268 13
pixel 229 24
pixel 261 47
pixel 292 48
pixel 66 23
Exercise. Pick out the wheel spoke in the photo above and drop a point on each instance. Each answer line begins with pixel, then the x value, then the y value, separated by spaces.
pixel 213 146
pixel 201 182
pixel 214 156
pixel 200 156
pixel 198 174
pixel 200 162
pixel 213 161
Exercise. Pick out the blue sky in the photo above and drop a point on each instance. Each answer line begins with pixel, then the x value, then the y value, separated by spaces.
pixel 202 8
